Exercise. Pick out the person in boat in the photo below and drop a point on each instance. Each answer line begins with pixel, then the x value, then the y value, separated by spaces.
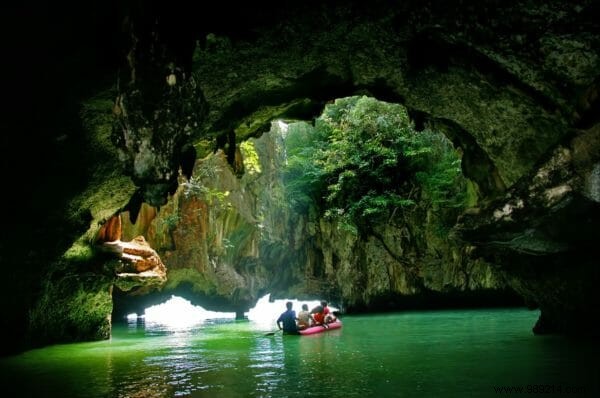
pixel 287 320
pixel 304 319
pixel 322 315
pixel 329 316
pixel 319 313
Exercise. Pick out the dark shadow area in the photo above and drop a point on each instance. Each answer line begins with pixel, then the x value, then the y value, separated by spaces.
pixel 432 300
pixel 431 49
pixel 318 85
pixel 55 55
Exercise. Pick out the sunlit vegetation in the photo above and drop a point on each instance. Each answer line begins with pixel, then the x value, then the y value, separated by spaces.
pixel 196 186
pixel 214 196
pixel 364 160
pixel 251 160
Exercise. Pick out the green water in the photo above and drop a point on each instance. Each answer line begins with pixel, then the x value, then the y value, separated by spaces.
pixel 439 353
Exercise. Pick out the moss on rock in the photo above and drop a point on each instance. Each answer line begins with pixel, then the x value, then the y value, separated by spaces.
pixel 75 301
pixel 74 307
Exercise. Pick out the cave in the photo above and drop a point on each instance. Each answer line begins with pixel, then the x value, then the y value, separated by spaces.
pixel 146 149
pixel 282 247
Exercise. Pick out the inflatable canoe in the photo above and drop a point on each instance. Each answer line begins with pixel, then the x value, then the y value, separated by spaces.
pixel 319 329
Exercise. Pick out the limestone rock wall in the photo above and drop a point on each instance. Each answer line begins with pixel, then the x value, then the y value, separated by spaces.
pixel 544 233
pixel 403 265
pixel 515 105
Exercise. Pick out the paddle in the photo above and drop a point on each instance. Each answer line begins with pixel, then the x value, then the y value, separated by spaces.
pixel 272 333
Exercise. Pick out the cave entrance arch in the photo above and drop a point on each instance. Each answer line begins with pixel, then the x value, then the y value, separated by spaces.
pixel 136 302
pixel 179 313
pixel 127 303
pixel 305 100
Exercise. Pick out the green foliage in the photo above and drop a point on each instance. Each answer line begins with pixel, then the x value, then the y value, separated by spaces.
pixel 213 196
pixel 251 160
pixel 303 178
pixel 171 221
pixel 439 171
pixel 364 160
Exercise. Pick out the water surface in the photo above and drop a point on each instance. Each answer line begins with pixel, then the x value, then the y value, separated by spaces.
pixel 457 353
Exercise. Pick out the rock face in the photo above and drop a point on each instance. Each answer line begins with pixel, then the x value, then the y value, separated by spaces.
pixel 511 107
pixel 543 233
pixel 157 109
pixel 139 264
pixel 227 241
pixel 151 141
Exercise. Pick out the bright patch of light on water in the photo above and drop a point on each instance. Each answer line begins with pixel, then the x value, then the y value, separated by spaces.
pixel 267 312
pixel 178 313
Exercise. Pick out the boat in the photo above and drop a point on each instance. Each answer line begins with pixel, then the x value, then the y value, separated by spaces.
pixel 320 328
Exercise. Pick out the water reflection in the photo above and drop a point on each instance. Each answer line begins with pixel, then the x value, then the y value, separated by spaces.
pixel 180 363
pixel 266 363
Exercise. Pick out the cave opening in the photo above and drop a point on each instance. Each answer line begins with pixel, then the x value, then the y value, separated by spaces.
pixel 374 150
pixel 176 313
pixel 392 169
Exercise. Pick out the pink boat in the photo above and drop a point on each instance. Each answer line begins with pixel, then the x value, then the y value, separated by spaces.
pixel 319 328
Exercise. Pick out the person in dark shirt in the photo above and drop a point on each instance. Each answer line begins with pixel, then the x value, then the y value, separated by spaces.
pixel 288 319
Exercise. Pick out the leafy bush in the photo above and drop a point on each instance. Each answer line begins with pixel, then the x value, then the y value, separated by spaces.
pixel 303 178
pixel 364 160
pixel 438 172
